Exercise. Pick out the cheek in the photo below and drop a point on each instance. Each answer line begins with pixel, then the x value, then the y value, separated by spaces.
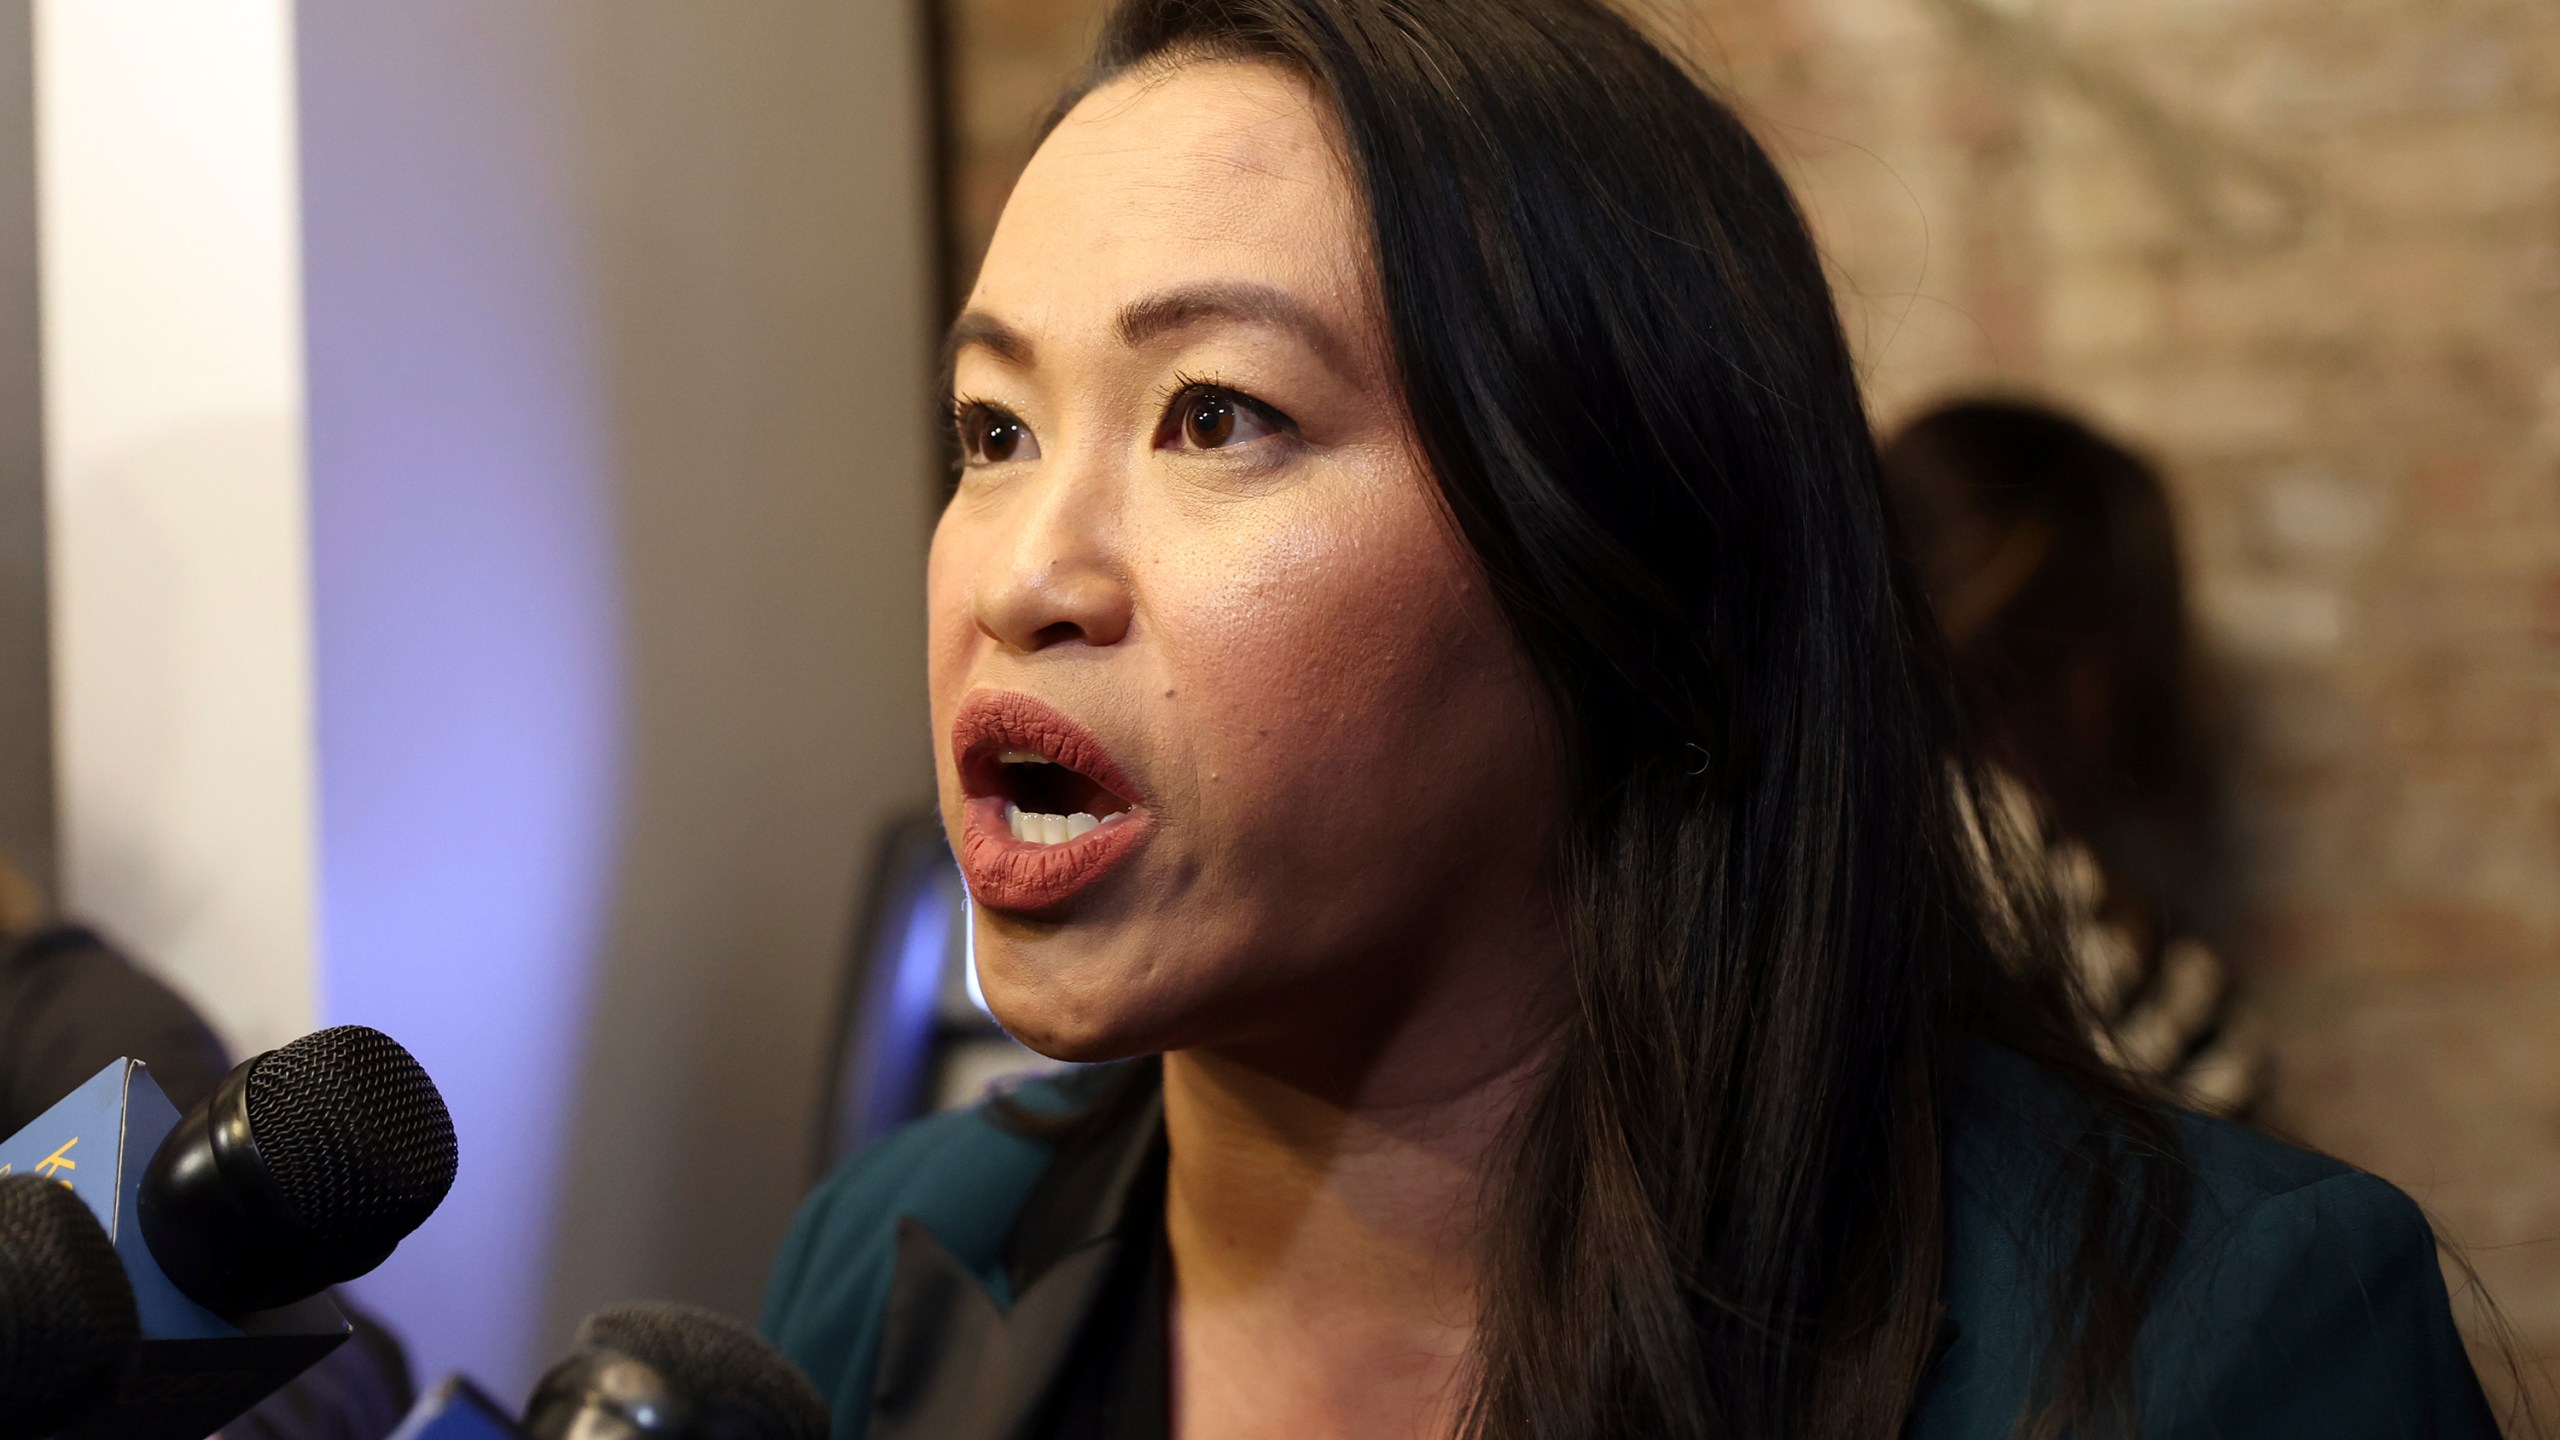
pixel 1337 669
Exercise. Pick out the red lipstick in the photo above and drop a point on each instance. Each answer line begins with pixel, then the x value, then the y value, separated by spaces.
pixel 1017 754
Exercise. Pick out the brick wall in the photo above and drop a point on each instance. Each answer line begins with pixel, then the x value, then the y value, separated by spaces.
pixel 2307 252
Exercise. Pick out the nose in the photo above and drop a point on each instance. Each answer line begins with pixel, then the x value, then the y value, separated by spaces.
pixel 1055 579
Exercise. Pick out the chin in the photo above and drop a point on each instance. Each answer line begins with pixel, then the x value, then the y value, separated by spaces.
pixel 1083 1014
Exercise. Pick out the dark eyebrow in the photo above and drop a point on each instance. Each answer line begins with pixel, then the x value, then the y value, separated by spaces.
pixel 1164 313
pixel 1236 302
pixel 977 327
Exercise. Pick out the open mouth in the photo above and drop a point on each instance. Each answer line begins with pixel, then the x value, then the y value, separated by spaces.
pixel 1047 811
pixel 1045 801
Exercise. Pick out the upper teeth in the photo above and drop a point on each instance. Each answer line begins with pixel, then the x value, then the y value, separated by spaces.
pixel 1042 829
pixel 1021 757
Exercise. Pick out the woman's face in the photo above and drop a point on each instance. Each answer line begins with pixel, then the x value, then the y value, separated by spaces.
pixel 1197 600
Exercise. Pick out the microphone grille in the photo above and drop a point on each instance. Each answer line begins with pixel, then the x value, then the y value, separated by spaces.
pixel 67 1323
pixel 722 1368
pixel 354 1133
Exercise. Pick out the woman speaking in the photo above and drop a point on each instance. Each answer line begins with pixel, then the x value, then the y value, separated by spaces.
pixel 1419 682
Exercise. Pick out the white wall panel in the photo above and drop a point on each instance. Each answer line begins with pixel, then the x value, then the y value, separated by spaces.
pixel 174 471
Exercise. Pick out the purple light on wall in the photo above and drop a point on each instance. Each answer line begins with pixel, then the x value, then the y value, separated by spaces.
pixel 901 1039
pixel 466 618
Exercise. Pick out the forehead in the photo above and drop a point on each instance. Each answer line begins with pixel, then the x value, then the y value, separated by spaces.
pixel 1217 170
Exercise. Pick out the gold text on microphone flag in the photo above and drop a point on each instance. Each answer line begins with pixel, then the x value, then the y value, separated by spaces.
pixel 60 1160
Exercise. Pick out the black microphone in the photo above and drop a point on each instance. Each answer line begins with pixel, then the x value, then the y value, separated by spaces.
pixel 303 1170
pixel 650 1370
pixel 67 1322
pixel 673 1372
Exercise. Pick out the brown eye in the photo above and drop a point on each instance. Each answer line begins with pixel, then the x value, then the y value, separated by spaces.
pixel 991 436
pixel 1208 421
pixel 1204 417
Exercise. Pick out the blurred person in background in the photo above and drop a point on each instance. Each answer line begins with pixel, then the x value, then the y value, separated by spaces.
pixel 2050 555
pixel 70 1005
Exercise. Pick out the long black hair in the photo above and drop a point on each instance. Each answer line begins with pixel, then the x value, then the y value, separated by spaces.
pixel 1723 1208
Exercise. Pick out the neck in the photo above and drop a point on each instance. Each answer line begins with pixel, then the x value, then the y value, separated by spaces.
pixel 1324 1218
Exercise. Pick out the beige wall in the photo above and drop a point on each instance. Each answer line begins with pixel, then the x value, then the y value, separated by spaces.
pixel 2307 251
pixel 762 245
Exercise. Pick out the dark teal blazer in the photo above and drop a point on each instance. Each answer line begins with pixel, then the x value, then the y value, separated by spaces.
pixel 936 1285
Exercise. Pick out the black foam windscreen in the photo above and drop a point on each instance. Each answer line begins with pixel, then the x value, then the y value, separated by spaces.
pixel 358 1140
pixel 720 1366
pixel 67 1321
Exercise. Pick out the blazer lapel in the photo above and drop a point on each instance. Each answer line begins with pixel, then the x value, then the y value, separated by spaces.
pixel 955 1365
pixel 956 1362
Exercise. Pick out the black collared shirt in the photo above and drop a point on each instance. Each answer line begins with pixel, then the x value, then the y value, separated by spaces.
pixel 1109 1181
pixel 1076 1349
pixel 1116 1386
